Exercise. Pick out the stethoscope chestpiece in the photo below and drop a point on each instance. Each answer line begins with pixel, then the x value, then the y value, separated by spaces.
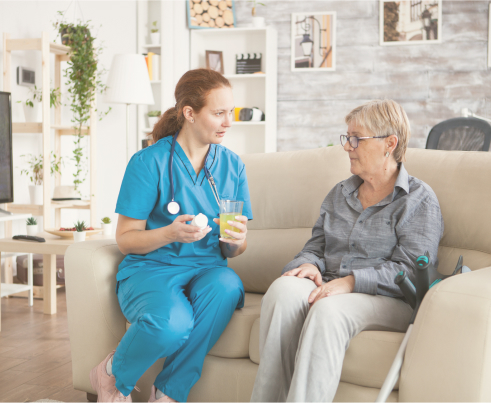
pixel 173 207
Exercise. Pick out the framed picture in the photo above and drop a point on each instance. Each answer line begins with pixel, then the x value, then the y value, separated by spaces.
pixel 206 14
pixel 214 60
pixel 314 41
pixel 410 22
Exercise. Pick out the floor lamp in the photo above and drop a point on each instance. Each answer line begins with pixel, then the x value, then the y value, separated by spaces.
pixel 129 83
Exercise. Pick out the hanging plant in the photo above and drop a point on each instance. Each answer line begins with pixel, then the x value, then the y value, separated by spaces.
pixel 83 81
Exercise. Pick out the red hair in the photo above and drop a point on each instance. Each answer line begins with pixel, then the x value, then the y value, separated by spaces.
pixel 191 90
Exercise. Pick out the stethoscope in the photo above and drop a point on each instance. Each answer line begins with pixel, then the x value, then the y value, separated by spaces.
pixel 173 207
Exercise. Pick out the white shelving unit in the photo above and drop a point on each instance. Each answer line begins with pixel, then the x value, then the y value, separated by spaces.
pixel 173 49
pixel 250 90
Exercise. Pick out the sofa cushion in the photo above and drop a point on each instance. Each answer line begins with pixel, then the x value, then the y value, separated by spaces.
pixel 367 361
pixel 234 341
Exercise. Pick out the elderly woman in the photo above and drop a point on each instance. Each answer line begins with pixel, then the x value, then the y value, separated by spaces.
pixel 371 226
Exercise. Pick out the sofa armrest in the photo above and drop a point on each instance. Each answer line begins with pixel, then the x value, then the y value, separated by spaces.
pixel 448 357
pixel 95 321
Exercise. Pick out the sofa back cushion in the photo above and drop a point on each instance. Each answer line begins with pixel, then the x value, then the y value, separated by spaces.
pixel 287 190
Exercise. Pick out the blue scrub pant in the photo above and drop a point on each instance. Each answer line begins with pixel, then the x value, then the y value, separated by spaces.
pixel 175 312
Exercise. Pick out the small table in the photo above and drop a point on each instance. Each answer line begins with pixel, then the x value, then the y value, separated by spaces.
pixel 53 246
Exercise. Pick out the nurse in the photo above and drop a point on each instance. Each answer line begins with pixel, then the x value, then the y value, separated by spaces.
pixel 174 286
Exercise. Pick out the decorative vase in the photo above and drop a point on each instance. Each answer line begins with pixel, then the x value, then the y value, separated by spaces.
pixel 258 22
pixel 107 229
pixel 32 229
pixel 36 193
pixel 155 38
pixel 34 114
pixel 79 236
pixel 152 120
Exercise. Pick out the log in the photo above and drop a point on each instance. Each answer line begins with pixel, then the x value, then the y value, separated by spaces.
pixel 193 13
pixel 203 24
pixel 194 22
pixel 212 23
pixel 220 12
pixel 199 19
pixel 222 5
pixel 206 17
pixel 229 3
pixel 219 21
pixel 228 17
pixel 205 5
pixel 214 2
pixel 198 8
pixel 213 11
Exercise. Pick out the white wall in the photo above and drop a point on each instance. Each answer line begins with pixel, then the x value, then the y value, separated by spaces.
pixel 115 28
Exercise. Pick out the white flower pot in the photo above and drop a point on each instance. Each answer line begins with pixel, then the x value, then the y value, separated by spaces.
pixel 32 229
pixel 79 236
pixel 258 22
pixel 34 114
pixel 107 229
pixel 155 38
pixel 152 121
pixel 36 193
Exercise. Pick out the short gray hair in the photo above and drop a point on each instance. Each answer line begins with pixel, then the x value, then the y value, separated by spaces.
pixel 384 118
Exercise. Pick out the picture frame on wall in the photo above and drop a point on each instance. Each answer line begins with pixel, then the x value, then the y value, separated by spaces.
pixel 214 60
pixel 211 14
pixel 313 41
pixel 410 22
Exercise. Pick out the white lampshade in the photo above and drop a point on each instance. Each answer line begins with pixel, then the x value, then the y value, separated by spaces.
pixel 128 81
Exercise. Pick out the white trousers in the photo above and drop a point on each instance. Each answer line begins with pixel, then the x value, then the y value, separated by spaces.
pixel 302 350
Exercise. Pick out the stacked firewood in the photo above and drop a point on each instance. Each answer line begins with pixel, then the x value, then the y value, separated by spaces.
pixel 211 13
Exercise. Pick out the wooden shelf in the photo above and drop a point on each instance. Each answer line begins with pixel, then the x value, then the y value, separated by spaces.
pixel 149 45
pixel 37 210
pixel 11 288
pixel 35 127
pixel 36 44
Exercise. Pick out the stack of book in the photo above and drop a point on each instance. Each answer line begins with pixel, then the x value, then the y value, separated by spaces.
pixel 153 65
pixel 248 63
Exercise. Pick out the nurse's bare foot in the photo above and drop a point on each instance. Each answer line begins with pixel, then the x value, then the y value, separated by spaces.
pixel 162 397
pixel 105 385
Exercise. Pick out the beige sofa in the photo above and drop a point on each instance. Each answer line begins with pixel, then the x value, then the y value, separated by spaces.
pixel 449 353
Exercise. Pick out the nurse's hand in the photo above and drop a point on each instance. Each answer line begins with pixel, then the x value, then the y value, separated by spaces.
pixel 186 233
pixel 238 237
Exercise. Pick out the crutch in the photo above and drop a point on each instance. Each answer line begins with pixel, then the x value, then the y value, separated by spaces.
pixel 425 272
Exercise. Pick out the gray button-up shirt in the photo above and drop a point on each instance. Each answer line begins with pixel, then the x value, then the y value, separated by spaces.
pixel 376 243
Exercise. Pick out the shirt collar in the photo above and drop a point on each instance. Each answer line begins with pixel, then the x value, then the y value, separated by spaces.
pixel 402 182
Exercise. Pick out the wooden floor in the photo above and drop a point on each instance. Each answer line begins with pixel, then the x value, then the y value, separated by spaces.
pixel 35 360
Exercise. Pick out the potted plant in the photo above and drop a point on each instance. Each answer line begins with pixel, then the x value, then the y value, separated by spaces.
pixel 31 226
pixel 153 118
pixel 154 34
pixel 257 22
pixel 84 79
pixel 32 107
pixel 35 173
pixel 107 226
pixel 79 234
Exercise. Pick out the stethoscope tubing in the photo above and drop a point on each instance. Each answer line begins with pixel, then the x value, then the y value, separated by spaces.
pixel 208 175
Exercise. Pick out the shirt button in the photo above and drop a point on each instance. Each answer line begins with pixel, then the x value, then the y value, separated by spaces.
pixel 344 266
pixel 360 222
pixel 352 244
pixel 388 222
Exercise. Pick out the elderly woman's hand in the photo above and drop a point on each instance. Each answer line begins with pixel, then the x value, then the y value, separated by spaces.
pixel 307 270
pixel 343 285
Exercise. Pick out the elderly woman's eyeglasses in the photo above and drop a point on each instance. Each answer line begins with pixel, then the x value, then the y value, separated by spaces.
pixel 354 140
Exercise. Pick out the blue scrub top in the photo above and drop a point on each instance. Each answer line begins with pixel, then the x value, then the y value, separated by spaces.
pixel 146 192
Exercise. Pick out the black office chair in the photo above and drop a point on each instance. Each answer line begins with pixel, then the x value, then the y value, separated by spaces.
pixel 465 134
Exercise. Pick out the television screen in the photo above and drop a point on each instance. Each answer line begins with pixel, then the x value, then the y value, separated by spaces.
pixel 6 171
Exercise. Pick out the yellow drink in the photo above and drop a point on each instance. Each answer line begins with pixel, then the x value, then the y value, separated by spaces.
pixel 224 217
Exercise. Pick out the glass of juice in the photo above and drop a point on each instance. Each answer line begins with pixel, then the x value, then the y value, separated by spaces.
pixel 228 210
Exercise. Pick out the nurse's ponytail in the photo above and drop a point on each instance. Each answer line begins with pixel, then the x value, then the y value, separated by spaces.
pixel 191 90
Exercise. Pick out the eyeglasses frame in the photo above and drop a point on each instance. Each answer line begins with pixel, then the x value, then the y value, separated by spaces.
pixel 359 138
